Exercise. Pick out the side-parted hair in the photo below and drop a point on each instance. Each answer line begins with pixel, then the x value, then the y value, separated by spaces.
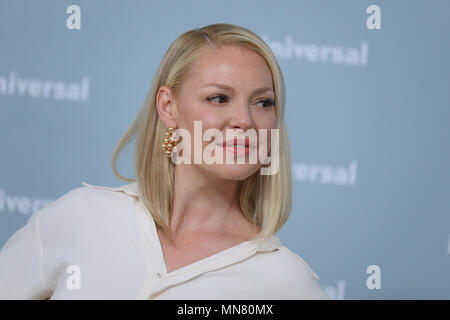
pixel 265 200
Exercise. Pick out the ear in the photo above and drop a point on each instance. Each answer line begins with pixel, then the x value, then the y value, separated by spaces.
pixel 166 106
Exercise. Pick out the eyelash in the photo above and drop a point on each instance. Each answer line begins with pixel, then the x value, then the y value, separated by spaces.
pixel 269 102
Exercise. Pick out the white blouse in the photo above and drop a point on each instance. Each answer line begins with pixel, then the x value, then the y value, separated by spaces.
pixel 98 242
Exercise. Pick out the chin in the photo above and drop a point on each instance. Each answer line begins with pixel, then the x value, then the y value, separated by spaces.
pixel 235 172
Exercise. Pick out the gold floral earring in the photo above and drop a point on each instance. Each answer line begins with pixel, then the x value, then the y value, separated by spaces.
pixel 170 142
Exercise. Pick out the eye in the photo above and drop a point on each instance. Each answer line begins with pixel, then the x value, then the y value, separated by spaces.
pixel 268 103
pixel 221 97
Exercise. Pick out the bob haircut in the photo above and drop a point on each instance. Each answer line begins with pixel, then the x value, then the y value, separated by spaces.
pixel 265 200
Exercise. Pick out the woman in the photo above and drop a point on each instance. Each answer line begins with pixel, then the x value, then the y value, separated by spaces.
pixel 181 230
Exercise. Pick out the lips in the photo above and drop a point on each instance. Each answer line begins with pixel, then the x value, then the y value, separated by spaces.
pixel 238 143
pixel 239 146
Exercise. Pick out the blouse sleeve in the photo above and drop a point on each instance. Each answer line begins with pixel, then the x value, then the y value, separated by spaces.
pixel 21 264
pixel 300 281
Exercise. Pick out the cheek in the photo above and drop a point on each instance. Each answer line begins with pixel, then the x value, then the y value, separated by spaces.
pixel 211 121
pixel 266 120
pixel 199 112
pixel 186 118
pixel 208 120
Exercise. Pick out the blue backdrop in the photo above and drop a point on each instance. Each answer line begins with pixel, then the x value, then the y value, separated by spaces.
pixel 367 113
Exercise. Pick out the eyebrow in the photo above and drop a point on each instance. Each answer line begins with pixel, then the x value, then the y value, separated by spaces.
pixel 225 87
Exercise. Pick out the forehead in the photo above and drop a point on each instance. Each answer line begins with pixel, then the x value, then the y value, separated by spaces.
pixel 231 65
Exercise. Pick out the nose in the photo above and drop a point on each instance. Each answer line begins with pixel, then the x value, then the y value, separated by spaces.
pixel 241 117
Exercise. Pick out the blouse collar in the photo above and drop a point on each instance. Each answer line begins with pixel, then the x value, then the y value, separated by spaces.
pixel 270 244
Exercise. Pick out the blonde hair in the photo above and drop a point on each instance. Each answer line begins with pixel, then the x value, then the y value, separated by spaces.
pixel 265 200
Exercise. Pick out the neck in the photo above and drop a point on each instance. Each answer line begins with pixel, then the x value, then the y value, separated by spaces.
pixel 203 203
